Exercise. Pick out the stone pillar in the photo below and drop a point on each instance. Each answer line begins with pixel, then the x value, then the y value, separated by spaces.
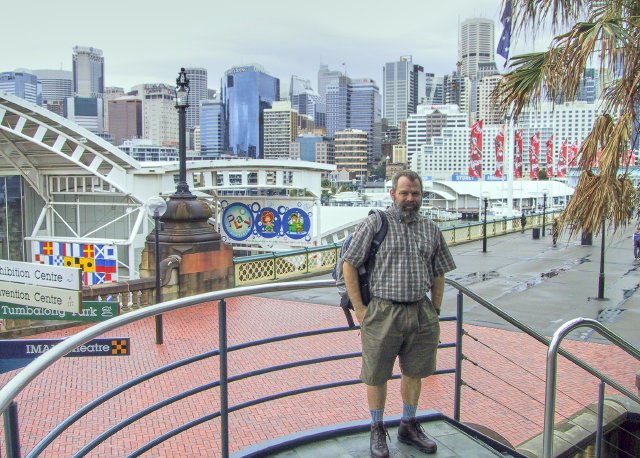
pixel 207 262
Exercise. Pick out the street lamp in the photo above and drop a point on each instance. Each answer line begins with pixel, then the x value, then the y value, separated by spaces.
pixel 156 206
pixel 484 225
pixel 182 103
pixel 544 211
pixel 601 276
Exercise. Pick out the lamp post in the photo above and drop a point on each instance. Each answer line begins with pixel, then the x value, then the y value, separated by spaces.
pixel 156 206
pixel 182 103
pixel 601 276
pixel 484 226
pixel 544 211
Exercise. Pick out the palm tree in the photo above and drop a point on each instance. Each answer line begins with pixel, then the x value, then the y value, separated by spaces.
pixel 607 32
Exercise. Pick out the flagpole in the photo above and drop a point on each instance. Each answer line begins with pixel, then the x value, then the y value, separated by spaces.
pixel 509 166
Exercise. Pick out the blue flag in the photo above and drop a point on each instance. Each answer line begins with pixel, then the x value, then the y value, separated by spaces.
pixel 505 38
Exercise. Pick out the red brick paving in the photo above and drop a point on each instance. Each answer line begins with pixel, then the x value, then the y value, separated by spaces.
pixel 72 382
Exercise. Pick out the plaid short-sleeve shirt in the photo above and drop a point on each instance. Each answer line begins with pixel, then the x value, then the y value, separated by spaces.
pixel 412 254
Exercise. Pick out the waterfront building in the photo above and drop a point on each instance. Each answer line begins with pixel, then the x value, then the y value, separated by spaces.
pixel 57 85
pixel 306 101
pixel 428 122
pixel 404 87
pixel 197 92
pixel 125 118
pixel 22 84
pixel 476 44
pixel 280 129
pixel 351 152
pixel 88 72
pixel 246 92
pixel 212 128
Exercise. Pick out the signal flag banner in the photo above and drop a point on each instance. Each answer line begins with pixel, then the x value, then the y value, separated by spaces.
pixel 475 151
pixel 573 154
pixel 499 144
pixel 534 156
pixel 550 157
pixel 562 160
pixel 631 158
pixel 517 172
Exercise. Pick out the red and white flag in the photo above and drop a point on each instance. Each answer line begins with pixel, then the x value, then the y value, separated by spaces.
pixel 631 158
pixel 573 154
pixel 550 157
pixel 517 171
pixel 562 159
pixel 534 156
pixel 499 144
pixel 475 151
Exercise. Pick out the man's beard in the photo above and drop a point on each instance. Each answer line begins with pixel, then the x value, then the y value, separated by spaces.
pixel 408 210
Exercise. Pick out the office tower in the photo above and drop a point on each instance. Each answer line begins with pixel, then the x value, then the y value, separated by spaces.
pixel 588 89
pixel 306 101
pixel 457 91
pixel 197 92
pixel 487 109
pixel 476 44
pixel 125 118
pixel 327 77
pixel 365 113
pixel 337 105
pixel 159 115
pixel 434 90
pixel 22 84
pixel 57 85
pixel 110 93
pixel 404 87
pixel 87 112
pixel 313 147
pixel 88 72
pixel 246 92
pixel 351 152
pixel 212 128
pixel 280 129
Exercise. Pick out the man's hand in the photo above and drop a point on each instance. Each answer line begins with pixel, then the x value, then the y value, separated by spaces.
pixel 360 312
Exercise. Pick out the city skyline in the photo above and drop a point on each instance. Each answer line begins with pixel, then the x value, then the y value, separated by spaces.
pixel 152 43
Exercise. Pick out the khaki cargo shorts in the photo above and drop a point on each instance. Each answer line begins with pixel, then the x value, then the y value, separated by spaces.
pixel 391 329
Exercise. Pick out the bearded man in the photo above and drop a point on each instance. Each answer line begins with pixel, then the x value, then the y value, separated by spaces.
pixel 401 320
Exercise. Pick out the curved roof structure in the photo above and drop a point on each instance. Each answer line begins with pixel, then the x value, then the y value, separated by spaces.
pixel 36 141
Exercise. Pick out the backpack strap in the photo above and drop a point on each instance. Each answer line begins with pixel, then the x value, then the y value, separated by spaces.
pixel 377 240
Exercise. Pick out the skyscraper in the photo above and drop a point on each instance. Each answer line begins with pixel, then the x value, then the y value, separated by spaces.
pixel 327 77
pixel 22 84
pixel 306 101
pixel 125 118
pixel 159 120
pixel 88 72
pixel 365 113
pixel 351 152
pixel 212 128
pixel 246 92
pixel 57 85
pixel 197 92
pixel 280 129
pixel 404 86
pixel 476 44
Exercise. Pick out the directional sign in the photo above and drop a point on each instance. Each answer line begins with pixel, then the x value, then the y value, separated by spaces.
pixel 40 275
pixel 50 298
pixel 91 311
pixel 15 354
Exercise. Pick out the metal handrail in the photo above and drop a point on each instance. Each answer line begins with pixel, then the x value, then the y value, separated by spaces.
pixel 552 359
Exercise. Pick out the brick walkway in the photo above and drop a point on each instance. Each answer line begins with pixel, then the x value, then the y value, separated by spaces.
pixel 505 392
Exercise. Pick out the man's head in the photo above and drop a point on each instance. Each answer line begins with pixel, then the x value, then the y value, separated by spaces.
pixel 406 191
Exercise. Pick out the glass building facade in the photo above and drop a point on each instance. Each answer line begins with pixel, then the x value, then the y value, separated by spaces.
pixel 11 218
pixel 212 128
pixel 23 85
pixel 246 92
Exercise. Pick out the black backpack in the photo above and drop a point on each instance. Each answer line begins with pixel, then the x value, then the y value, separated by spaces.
pixel 364 272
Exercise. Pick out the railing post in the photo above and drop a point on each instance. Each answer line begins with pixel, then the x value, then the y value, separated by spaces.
pixel 599 430
pixel 11 431
pixel 459 331
pixel 224 388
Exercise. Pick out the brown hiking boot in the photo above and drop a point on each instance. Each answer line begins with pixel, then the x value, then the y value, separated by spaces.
pixel 378 446
pixel 411 433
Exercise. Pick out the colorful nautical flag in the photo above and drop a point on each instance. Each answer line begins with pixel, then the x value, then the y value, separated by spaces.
pixel 99 263
pixel 534 156
pixel 550 157
pixel 475 151
pixel 499 144
pixel 517 172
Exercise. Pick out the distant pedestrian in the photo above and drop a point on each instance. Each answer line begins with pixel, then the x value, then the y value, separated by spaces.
pixel 636 243
pixel 555 230
pixel 523 221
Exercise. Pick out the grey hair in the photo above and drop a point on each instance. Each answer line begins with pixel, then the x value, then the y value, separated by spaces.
pixel 410 174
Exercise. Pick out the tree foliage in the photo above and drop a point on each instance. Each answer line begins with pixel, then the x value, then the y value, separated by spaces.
pixel 588 33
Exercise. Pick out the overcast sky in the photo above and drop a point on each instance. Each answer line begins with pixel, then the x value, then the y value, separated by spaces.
pixel 148 42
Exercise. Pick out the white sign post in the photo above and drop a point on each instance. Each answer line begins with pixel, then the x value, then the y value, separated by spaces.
pixel 29 273
pixel 40 296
